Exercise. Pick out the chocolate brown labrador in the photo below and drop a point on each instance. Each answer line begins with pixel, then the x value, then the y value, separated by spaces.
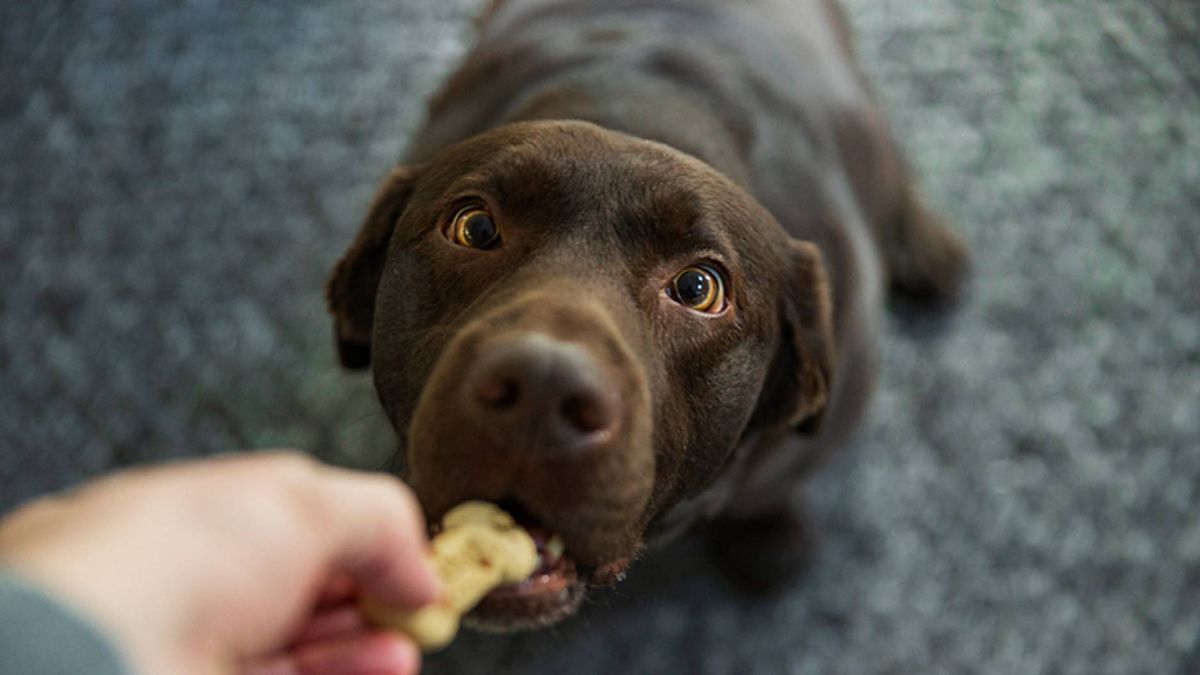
pixel 630 276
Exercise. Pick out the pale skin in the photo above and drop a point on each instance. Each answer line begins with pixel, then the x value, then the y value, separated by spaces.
pixel 246 564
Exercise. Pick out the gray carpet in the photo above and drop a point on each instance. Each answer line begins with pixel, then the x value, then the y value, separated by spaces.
pixel 177 178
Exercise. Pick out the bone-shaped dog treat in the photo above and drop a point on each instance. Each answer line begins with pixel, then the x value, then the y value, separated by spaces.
pixel 479 548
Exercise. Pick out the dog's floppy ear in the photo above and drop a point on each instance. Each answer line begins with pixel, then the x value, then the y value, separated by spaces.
pixel 797 387
pixel 350 292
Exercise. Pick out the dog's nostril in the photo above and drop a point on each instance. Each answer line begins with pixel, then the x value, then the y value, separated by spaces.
pixel 586 413
pixel 499 393
pixel 538 394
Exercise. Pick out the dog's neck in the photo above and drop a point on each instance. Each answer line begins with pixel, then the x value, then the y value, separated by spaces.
pixel 682 117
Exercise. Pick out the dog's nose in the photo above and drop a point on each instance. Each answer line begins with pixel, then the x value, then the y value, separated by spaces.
pixel 539 393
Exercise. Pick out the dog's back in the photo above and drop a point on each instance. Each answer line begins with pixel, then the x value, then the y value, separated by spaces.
pixel 715 79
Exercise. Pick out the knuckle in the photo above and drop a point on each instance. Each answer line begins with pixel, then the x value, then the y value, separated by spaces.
pixel 290 462
pixel 397 497
pixel 295 479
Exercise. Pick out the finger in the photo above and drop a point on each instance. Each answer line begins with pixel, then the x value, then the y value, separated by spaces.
pixel 374 653
pixel 377 535
pixel 332 623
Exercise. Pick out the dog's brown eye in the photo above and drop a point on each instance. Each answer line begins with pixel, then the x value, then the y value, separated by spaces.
pixel 473 227
pixel 700 288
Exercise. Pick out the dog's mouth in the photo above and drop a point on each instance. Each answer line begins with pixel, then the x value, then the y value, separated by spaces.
pixel 551 593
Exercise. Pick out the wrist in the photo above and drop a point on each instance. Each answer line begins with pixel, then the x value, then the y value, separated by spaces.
pixel 44 634
pixel 117 607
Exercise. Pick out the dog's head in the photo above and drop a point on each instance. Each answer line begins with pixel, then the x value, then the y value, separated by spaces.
pixel 580 326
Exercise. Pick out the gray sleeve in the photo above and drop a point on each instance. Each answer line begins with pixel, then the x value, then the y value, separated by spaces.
pixel 40 636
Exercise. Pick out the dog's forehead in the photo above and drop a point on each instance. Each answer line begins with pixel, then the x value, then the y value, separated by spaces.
pixel 580 162
pixel 569 172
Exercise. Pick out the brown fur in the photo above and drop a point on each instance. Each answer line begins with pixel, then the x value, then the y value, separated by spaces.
pixel 613 153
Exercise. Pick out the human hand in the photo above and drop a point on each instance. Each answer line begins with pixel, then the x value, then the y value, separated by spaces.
pixel 240 564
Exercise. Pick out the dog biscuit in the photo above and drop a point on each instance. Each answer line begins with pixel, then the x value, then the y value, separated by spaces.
pixel 479 548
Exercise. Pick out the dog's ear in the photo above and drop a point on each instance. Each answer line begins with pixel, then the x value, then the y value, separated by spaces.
pixel 797 386
pixel 350 292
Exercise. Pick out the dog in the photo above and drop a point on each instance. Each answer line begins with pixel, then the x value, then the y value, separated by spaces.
pixel 631 275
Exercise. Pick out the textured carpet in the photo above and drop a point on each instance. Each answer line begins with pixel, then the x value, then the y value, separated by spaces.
pixel 178 177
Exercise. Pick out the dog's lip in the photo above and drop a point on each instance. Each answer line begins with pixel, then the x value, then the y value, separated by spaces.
pixel 549 595
pixel 552 592
pixel 557 570
pixel 536 602
pixel 544 582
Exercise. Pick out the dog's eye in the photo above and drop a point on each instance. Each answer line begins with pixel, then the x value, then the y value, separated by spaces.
pixel 700 288
pixel 473 227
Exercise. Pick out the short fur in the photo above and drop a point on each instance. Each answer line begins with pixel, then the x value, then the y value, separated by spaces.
pixel 616 143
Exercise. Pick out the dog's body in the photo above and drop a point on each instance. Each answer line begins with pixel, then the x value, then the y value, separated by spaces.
pixel 766 94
